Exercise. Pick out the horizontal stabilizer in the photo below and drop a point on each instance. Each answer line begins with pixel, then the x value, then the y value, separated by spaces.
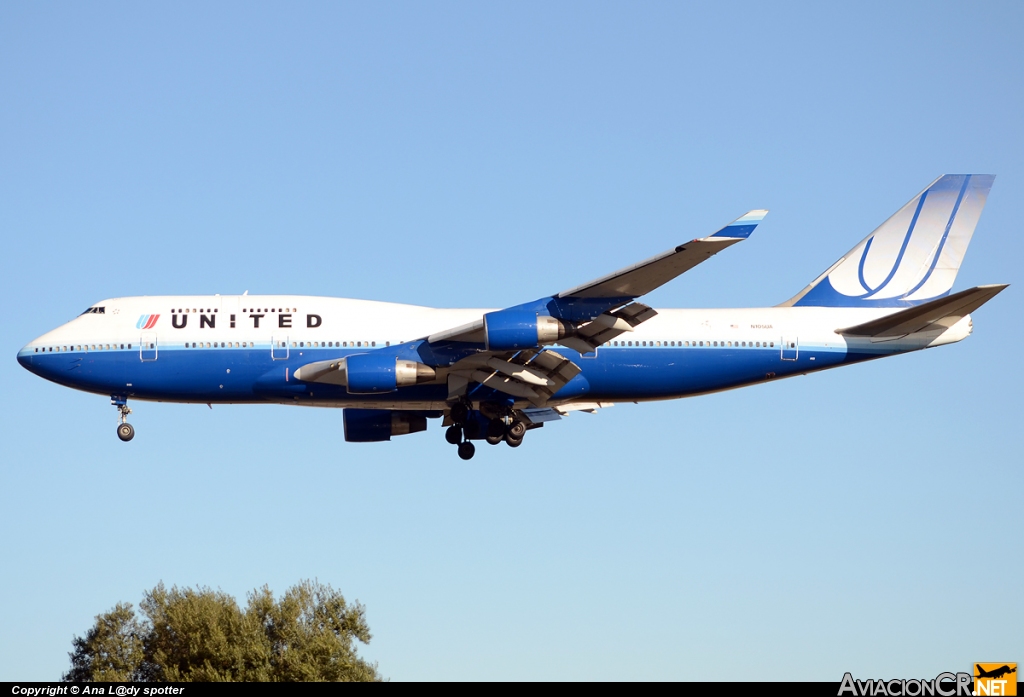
pixel 936 315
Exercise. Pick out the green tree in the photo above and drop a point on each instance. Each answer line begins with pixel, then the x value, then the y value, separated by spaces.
pixel 203 635
pixel 112 650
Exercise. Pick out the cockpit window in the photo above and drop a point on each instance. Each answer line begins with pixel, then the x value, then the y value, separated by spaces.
pixel 95 311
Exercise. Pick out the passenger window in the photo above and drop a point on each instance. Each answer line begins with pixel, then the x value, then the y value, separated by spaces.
pixel 773 345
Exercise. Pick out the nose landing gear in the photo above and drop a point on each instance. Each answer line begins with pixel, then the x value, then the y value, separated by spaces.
pixel 125 431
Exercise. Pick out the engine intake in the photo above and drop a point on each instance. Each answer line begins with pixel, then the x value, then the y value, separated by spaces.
pixel 513 330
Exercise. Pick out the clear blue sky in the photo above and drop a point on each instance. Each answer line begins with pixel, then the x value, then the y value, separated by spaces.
pixel 453 154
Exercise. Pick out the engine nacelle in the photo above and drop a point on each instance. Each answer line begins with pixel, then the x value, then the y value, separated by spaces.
pixel 513 330
pixel 375 425
pixel 372 373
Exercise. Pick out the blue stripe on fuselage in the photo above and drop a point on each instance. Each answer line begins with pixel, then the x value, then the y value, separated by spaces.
pixel 251 375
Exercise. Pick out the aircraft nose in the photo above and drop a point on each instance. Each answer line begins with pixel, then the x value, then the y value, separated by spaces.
pixel 25 358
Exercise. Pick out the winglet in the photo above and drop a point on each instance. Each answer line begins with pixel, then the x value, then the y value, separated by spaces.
pixel 742 226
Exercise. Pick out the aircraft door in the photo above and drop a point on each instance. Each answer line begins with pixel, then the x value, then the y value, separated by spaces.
pixel 790 348
pixel 279 347
pixel 148 346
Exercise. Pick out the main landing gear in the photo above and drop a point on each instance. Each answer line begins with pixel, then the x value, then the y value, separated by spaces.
pixel 125 431
pixel 454 436
pixel 469 425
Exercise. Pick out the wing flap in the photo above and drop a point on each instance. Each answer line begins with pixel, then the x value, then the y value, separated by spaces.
pixel 933 315
pixel 530 375
pixel 608 326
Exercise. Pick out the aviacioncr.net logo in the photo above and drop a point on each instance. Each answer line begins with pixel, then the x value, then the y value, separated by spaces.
pixel 943 685
pixel 995 679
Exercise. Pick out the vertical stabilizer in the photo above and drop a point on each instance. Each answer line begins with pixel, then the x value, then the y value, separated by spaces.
pixel 912 257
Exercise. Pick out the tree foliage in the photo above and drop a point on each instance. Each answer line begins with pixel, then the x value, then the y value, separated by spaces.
pixel 203 635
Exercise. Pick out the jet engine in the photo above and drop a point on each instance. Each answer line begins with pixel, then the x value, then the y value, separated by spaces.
pixel 375 425
pixel 372 373
pixel 513 330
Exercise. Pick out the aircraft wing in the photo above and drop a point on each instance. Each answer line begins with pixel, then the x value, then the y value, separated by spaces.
pixel 640 279
pixel 603 302
pixel 506 350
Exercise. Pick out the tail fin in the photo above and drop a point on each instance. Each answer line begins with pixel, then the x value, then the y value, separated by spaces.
pixel 912 257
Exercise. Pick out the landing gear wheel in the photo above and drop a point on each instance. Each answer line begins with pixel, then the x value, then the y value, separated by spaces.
pixel 125 432
pixel 517 430
pixel 496 428
pixel 459 412
pixel 471 429
pixel 513 442
pixel 453 435
pixel 467 450
pixel 494 440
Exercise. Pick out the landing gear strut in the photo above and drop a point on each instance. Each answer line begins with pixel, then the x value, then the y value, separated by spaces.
pixel 125 431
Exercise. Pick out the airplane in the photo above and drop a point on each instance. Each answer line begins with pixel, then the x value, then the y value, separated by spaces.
pixel 994 673
pixel 494 374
